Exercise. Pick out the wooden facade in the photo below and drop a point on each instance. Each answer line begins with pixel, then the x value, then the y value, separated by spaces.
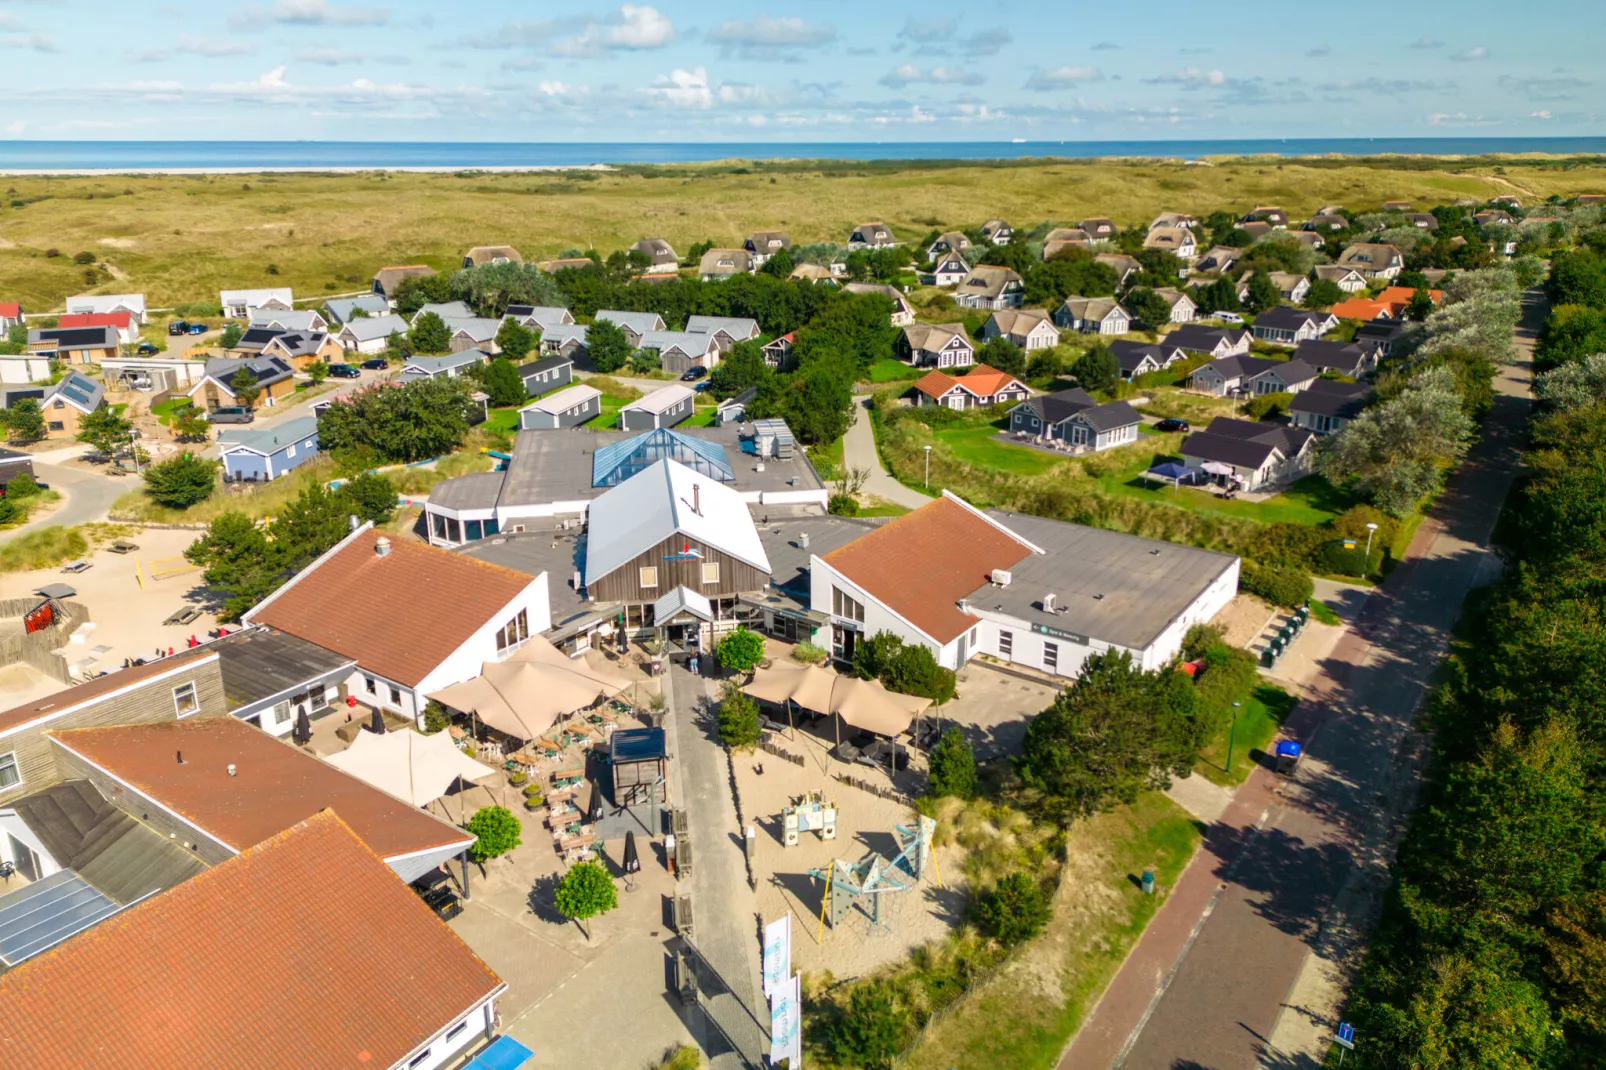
pixel 624 584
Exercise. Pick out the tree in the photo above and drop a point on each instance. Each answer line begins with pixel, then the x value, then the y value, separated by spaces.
pixel 740 650
pixel 607 345
pixel 1218 295
pixel 490 288
pixel 179 482
pixel 238 559
pixel 402 423
pixel 585 891
pixel 1263 293
pixel 311 523
pixel 816 400
pixel 1420 306
pixel 999 352
pixel 1323 293
pixel 429 334
pixel 437 718
pixel 105 431
pixel 190 426
pixel 232 332
pixel 953 766
pixel 372 497
pixel 1395 451
pixel 1577 278
pixel 1097 369
pixel 1014 910
pixel 1147 307
pixel 645 360
pixel 742 366
pixel 24 422
pixel 244 386
pixel 318 371
pixel 514 340
pixel 914 671
pixel 873 655
pixel 503 384
pixel 416 291
pixel 738 720
pixel 1570 333
pixel 779 265
pixel 872 1029
pixel 20 486
pixel 498 832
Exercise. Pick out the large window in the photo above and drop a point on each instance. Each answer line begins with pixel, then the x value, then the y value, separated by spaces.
pixel 10 775
pixel 844 606
pixel 711 572
pixel 1006 644
pixel 513 632
pixel 1051 656
pixel 185 700
pixel 649 576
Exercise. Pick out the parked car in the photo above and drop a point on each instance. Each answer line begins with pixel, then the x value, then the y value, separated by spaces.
pixel 694 373
pixel 344 371
pixel 147 350
pixel 177 327
pixel 1171 423
pixel 231 414
pixel 376 364
pixel 1230 317
pixel 197 328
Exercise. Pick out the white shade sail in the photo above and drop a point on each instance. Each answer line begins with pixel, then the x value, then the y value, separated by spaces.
pixel 416 769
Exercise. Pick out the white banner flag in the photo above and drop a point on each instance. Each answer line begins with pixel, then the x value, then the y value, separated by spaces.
pixel 777 955
pixel 786 1023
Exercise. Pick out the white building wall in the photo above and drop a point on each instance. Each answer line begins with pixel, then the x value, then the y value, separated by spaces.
pixel 12 825
pixel 877 617
pixel 472 1027
pixel 24 370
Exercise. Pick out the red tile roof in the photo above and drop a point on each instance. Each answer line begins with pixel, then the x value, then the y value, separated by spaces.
pixel 984 381
pixel 304 951
pixel 1402 295
pixel 120 320
pixel 1360 308
pixel 924 562
pixel 936 384
pixel 10 309
pixel 275 785
pixel 400 615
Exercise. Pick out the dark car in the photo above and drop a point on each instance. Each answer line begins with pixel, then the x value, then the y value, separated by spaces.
pixel 375 364
pixel 177 327
pixel 344 371
pixel 692 374
pixel 147 350
pixel 196 328
pixel 1170 423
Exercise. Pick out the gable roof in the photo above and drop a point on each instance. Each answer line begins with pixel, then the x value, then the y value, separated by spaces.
pixel 134 303
pixel 79 391
pixel 76 337
pixel 691 343
pixel 299 343
pixel 1124 265
pixel 989 280
pixel 10 309
pixel 900 303
pixel 737 327
pixel 1339 356
pixel 725 262
pixel 985 381
pixel 1326 397
pixel 400 615
pixel 1108 416
pixel 1285 318
pixel 1025 320
pixel 63 702
pixel 761 240
pixel 268 440
pixel 660 400
pixel 1291 372
pixel 341 308
pixel 1360 308
pixel 921 564
pixel 656 250
pixel 563 400
pixel 389 278
pixel 639 322
pixel 1131 355
pixel 258 298
pixel 1168 238
pixel 543 316
pixel 215 972
pixel 119 320
pixel 656 504
pixel 433 366
pixel 934 336
pixel 369 328
pixel 1370 256
pixel 267 370
pixel 1244 443
pixel 1336 272
pixel 489 254
pixel 294 320
pixel 1197 338
pixel 545 364
pixel 1239 367
pixel 1052 408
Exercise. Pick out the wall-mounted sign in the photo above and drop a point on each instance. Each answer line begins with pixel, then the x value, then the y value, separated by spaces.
pixel 1043 629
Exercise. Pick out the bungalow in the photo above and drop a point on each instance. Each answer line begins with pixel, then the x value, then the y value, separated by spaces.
pixel 990 286
pixel 1363 309
pixel 1381 335
pixel 75 345
pixel 305 348
pixel 151 373
pixel 131 303
pixel 253 341
pixel 1178 240
pixel 727 330
pixel 567 263
pixel 1351 359
pixel 11 315
pixel 1345 278
pixel 661 256
pixel 1218 258
pixel 307 320
pixel 1093 315
pixel 259 456
pixel 1173 219
pixel 664 407
pixel 998 232
pixel 903 314
pixel 980 387
pixel 1397 206
pixel 1065 238
pixel 1586 199
pixel 1290 326
pixel 1125 266
pixel 1182 307
pixel 1253 455
pixel 1423 220
pixel 1212 342
pixel 65 404
pixel 546 374
pixel 718 264
pixel 1314 242
pixel 371 334
pixel 1073 416
pixel 1492 217
pixel 1284 377
pixel 565 408
pixel 475 332
pixel 122 322
pixel 1257 231
pixel 634 324
pixel 1327 405
pixel 237 304
pixel 1028 328
pixel 24 368
pixel 539 317
pixel 1267 214
pixel 1292 287
pixel 275 379
pixel 1372 259
pixel 1329 222
pixel 815 273
pixel 1098 228
pixel 1140 358
pixel 566 340
pixel 778 352
pixel 1399 298
pixel 1229 375
pixel 451 366
pixel 947 271
pixel 951 242
pixel 388 279
pixel 446 310
pixel 935 345
pixel 341 310
pixel 491 254
pixel 871 236
pixel 763 244
pixel 681 351
pixel 1508 199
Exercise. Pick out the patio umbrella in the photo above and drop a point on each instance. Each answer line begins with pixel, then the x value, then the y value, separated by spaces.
pixel 539 651
pixel 632 862
pixel 594 810
pixel 415 768
pixel 376 724
pixel 303 729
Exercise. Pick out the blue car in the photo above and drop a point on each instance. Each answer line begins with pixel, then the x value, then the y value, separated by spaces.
pixel 196 328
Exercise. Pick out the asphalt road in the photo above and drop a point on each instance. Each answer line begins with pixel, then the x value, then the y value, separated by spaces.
pixel 1246 964
pixel 86 497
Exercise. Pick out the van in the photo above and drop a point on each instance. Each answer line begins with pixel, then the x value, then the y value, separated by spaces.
pixel 231 414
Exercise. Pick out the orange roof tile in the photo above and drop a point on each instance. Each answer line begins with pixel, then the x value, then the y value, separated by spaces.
pixel 306 950
pixel 936 384
pixel 400 615
pixel 274 786
pixel 1361 308
pixel 1401 295
pixel 985 381
pixel 924 562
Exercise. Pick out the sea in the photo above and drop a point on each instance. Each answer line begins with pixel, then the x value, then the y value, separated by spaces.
pixel 115 156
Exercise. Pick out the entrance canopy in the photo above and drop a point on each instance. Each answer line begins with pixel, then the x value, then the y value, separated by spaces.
pixel 681 601
pixel 1216 468
pixel 414 768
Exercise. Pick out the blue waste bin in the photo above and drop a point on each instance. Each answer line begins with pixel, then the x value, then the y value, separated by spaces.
pixel 1287 752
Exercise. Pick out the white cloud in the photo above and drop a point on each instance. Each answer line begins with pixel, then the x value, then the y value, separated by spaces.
pixel 767 31
pixel 1471 55
pixel 33 42
pixel 1191 78
pixel 635 28
pixel 192 46
pixel 693 91
pixel 330 57
pixel 1062 78
pixel 1545 114
pixel 310 13
pixel 909 74
pixel 1426 41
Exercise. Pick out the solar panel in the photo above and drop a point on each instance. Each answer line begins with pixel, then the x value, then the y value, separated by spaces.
pixel 36 918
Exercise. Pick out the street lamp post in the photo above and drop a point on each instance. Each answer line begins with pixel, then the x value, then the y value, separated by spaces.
pixel 927 481
pixel 1371 529
pixel 1232 735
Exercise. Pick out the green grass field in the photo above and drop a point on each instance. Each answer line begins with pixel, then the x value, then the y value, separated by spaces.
pixel 1262 713
pixel 975 445
pixel 893 371
pixel 1312 500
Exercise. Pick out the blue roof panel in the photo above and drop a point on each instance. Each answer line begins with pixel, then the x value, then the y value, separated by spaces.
pixel 613 464
pixel 505 1053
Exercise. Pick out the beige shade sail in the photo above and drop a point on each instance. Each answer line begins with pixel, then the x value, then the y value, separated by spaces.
pixel 416 769
pixel 867 705
pixel 539 651
pixel 537 686
pixel 807 685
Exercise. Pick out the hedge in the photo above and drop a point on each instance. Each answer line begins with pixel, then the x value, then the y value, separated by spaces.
pixel 1279 586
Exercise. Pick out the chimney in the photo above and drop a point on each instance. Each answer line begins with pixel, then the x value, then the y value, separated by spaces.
pixel 802 540
pixel 231 769
pixel 697 498
pixel 180 757
pixel 382 546
pixel 352 520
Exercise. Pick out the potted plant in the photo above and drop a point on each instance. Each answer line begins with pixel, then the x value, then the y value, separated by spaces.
pixel 517 777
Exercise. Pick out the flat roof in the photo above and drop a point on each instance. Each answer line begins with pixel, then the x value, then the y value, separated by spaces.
pixel 258 663
pixel 559 554
pixel 789 558
pixel 1145 584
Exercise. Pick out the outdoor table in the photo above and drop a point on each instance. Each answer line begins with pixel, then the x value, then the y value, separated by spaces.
pixel 559 796
pixel 565 777
pixel 458 732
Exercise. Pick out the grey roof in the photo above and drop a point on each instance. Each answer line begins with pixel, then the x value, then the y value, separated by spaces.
pixel 477 490
pixel 1241 367
pixel 789 560
pixel 76 337
pixel 1130 355
pixel 1326 397
pixel 738 327
pixel 257 338
pixel 1052 408
pixel 341 308
pixel 1244 443
pixel 436 365
pixel 545 317
pixel 478 328
pixel 1291 371
pixel 82 391
pixel 260 663
pixel 302 344
pixel 1288 319
pixel 565 399
pixel 1109 416
pixel 1334 272
pixel 446 310
pixel 269 440
pixel 692 343
pixel 1344 357
pixel 1197 338
pixel 564 333
pixel 366 330
pixel 545 364
pixel 1145 584
pixel 559 554
pixel 296 320
pixel 267 370
pixel 639 322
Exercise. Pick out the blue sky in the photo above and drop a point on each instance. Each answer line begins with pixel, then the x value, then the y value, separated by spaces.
pixel 810 70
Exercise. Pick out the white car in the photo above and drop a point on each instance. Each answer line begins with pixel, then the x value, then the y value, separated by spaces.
pixel 1230 317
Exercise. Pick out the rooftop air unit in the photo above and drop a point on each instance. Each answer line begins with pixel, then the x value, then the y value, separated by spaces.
pixel 1048 603
pixel 1002 576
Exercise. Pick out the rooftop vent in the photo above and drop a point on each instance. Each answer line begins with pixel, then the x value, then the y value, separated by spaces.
pixel 231 769
pixel 1002 577
pixel 382 546
pixel 803 540
pixel 180 756
pixel 1048 603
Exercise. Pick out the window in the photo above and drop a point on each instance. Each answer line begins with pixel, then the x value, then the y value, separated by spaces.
pixel 10 775
pixel 711 572
pixel 471 529
pixel 1006 644
pixel 185 700
pixel 395 696
pixel 649 576
pixel 974 632
pixel 280 712
pixel 844 606
pixel 291 452
pixel 456 1031
pixel 420 1058
pixel 368 682
pixel 513 632
pixel 1051 656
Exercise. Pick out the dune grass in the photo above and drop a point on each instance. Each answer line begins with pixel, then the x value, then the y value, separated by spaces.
pixel 54 545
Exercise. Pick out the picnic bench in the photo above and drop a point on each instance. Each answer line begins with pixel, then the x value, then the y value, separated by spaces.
pixel 76 567
pixel 564 778
pixel 574 847
pixel 122 546
pixel 187 615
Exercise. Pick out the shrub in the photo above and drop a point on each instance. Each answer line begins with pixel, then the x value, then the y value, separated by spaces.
pixel 179 482
pixel 1279 586
pixel 22 485
pixel 1341 560
pixel 436 718
pixel 809 654
pixel 498 832
pixel 1265 405
pixel 533 791
pixel 873 1029
pixel 9 512
pixel 516 778
pixel 843 505
pixel 1015 910
pixel 740 650
pixel 738 720
pixel 83 258
pixel 1200 638
pixel 953 766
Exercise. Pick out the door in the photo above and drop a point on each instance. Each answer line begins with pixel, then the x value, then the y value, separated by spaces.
pixel 22 855
pixel 843 642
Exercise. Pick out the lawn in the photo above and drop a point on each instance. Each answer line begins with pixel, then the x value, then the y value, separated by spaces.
pixel 165 411
pixel 1262 713
pixel 1312 500
pixel 1023 1016
pixel 892 371
pixel 827 459
pixel 975 445
pixel 1324 613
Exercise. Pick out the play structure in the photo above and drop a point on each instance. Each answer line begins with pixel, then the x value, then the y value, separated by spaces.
pixel 813 814
pixel 866 883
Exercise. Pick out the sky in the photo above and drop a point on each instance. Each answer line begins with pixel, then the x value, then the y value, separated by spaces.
pixel 804 71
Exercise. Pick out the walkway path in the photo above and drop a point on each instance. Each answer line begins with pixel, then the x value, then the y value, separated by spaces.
pixel 858 451
pixel 86 496
pixel 1248 960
